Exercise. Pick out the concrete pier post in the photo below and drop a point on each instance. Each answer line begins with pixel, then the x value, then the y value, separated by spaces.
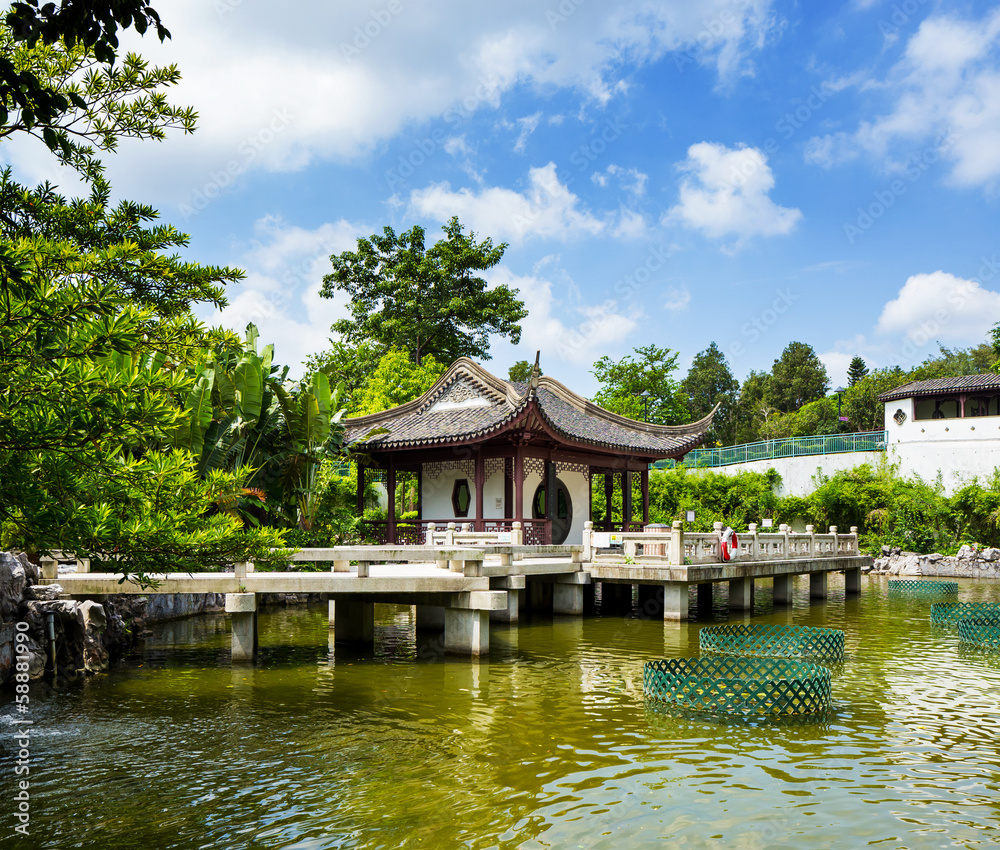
pixel 331 614
pixel 741 594
pixel 242 608
pixel 355 621
pixel 704 598
pixel 430 618
pixel 510 614
pixel 675 601
pixel 567 599
pixel 817 585
pixel 783 590
pixel 852 581
pixel 466 632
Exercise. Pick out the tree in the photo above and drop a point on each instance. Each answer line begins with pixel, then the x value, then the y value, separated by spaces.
pixel 623 384
pixel 955 362
pixel 797 377
pixel 397 380
pixel 709 381
pixel 425 301
pixel 861 406
pixel 856 371
pixel 754 409
pixel 520 372
pixel 349 366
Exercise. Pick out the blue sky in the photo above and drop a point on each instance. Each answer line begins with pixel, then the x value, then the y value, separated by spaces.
pixel 748 172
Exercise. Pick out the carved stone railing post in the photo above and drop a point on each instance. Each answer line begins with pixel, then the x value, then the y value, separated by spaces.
pixel 677 542
pixel 753 540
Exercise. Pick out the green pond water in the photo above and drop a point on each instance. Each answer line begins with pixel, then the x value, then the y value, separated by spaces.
pixel 548 743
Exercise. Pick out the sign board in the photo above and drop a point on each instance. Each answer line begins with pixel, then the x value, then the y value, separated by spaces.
pixel 842 418
pixel 767 523
pixel 606 539
pixel 504 537
pixel 690 516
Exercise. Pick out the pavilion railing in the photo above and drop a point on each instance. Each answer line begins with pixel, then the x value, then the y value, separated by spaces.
pixel 413 532
pixel 824 444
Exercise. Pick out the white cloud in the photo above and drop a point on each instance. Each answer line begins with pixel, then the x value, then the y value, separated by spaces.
pixel 528 124
pixel 946 90
pixel 631 180
pixel 725 192
pixel 280 294
pixel 564 328
pixel 678 299
pixel 941 307
pixel 351 76
pixel 546 209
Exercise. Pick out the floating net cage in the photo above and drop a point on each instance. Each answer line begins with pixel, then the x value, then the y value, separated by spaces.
pixel 983 632
pixel 949 613
pixel 911 587
pixel 770 639
pixel 777 687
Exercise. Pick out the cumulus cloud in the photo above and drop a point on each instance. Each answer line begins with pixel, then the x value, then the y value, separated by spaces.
pixel 546 208
pixel 725 193
pixel 563 327
pixel 631 180
pixel 941 306
pixel 678 299
pixel 285 266
pixel 946 93
pixel 356 75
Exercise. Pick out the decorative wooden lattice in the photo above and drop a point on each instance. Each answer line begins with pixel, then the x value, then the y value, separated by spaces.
pixel 433 470
pixel 949 613
pixel 536 465
pixel 983 632
pixel 769 639
pixel 741 686
pixel 910 587
pixel 493 466
pixel 582 468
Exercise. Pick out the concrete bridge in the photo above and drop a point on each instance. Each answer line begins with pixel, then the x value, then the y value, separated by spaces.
pixel 463 580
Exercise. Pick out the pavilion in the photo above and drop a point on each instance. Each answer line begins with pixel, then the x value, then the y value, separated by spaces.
pixel 475 448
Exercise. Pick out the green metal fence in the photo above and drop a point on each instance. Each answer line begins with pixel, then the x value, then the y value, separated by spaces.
pixel 825 444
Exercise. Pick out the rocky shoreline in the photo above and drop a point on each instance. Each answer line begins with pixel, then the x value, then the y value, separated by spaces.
pixel 969 562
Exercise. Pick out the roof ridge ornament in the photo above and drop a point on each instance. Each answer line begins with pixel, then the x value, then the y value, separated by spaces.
pixel 535 371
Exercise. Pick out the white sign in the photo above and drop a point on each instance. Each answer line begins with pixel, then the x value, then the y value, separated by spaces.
pixel 503 537
pixel 767 523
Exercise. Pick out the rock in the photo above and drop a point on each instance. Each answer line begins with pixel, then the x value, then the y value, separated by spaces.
pixel 31 571
pixel 886 551
pixel 13 580
pixel 967 552
pixel 933 558
pixel 43 592
pixel 990 554
pixel 92 622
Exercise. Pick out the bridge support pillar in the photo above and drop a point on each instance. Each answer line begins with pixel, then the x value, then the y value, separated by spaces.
pixel 852 581
pixel 817 585
pixel 741 594
pixel 704 599
pixel 466 632
pixel 242 608
pixel 510 614
pixel 675 600
pixel 430 618
pixel 355 621
pixel 567 599
pixel 782 590
pixel 331 614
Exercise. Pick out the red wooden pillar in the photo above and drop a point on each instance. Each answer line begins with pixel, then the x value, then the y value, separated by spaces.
pixel 550 498
pixel 508 487
pixel 519 486
pixel 390 531
pixel 480 485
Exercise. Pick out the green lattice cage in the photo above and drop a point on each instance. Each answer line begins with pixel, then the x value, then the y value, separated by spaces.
pixel 772 639
pixel 983 632
pixel 744 686
pixel 949 613
pixel 911 587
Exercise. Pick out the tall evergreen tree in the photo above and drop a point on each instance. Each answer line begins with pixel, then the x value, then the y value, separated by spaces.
pixel 856 371
pixel 798 376
pixel 709 382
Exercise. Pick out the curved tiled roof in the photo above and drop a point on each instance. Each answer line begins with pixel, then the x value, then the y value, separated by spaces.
pixel 467 403
pixel 942 386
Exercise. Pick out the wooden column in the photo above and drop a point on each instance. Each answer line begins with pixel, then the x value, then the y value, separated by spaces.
pixel 550 498
pixel 645 495
pixel 609 498
pixel 390 531
pixel 420 492
pixel 519 485
pixel 508 487
pixel 480 485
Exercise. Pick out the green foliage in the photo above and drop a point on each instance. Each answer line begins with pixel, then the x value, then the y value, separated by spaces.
pixel 521 371
pixel 798 377
pixel 350 366
pixel 955 362
pixel 753 409
pixel 624 382
pixel 856 371
pixel 814 417
pixel 397 380
pixel 425 301
pixel 861 406
pixel 709 382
